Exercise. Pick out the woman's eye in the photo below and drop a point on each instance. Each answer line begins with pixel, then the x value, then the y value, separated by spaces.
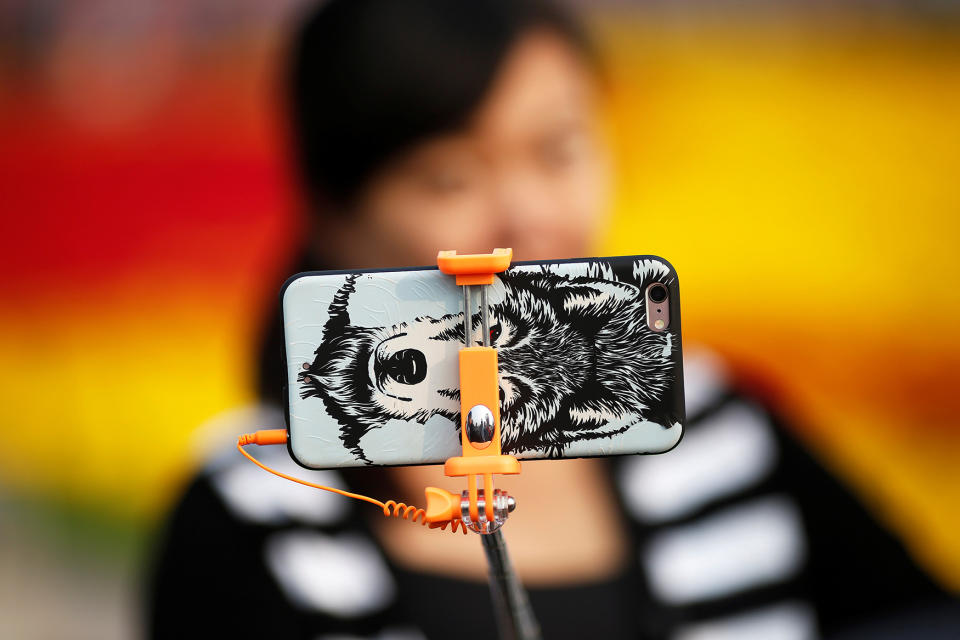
pixel 446 182
pixel 559 151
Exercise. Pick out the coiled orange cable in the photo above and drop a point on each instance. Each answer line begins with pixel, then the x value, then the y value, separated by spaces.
pixel 390 507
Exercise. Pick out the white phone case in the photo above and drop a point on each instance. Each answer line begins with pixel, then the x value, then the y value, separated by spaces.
pixel 371 362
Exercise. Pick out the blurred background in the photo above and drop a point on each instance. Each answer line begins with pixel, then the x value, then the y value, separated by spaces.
pixel 797 162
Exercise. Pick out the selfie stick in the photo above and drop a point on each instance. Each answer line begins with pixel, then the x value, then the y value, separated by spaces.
pixel 480 508
pixel 484 509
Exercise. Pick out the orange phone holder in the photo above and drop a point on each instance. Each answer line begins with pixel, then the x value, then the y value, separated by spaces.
pixel 479 408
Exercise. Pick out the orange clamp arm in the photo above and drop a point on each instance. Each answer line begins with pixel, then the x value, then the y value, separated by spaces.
pixel 474 268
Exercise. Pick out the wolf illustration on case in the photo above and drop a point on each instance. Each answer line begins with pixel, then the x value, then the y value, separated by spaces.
pixel 577 361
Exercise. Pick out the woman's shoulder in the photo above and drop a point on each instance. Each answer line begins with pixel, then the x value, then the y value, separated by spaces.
pixel 240 534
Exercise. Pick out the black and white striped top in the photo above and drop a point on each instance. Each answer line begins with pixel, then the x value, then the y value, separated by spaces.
pixel 738 533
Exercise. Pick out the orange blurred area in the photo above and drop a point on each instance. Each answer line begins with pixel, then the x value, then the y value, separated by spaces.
pixel 797 167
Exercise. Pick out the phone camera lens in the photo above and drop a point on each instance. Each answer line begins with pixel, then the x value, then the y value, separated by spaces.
pixel 657 293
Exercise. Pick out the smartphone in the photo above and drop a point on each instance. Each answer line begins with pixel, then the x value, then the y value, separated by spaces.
pixel 589 354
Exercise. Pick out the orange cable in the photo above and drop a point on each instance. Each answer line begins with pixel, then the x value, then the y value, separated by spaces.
pixel 390 507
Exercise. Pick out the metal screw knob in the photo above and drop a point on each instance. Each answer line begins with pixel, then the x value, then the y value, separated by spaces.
pixel 480 424
pixel 503 504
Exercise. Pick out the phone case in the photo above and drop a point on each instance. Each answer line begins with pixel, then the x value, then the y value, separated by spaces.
pixel 372 365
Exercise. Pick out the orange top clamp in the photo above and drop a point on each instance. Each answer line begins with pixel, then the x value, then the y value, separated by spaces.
pixel 479 407
pixel 475 268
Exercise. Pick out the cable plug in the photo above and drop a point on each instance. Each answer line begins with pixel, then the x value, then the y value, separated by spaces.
pixel 264 436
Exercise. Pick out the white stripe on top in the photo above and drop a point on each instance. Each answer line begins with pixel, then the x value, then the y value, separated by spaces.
pixel 343 575
pixel 727 452
pixel 748 545
pixel 784 621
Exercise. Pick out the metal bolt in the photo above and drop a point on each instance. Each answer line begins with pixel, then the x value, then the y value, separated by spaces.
pixel 479 424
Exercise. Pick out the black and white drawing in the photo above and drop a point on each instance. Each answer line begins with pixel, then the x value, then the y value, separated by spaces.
pixel 577 360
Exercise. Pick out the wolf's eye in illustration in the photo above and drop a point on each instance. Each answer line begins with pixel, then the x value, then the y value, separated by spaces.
pixel 503 332
pixel 495 332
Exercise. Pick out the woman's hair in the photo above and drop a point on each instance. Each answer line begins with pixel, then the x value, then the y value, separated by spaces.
pixel 371 78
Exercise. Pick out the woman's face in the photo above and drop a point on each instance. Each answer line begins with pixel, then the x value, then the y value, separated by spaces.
pixel 528 172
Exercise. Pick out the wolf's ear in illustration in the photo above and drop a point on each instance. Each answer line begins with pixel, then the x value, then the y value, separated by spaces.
pixel 335 343
pixel 339 317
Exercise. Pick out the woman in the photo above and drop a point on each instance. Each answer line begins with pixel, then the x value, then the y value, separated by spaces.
pixel 424 125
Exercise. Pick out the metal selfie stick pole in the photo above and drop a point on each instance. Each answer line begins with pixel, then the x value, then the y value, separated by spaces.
pixel 483 509
pixel 514 614
pixel 515 617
